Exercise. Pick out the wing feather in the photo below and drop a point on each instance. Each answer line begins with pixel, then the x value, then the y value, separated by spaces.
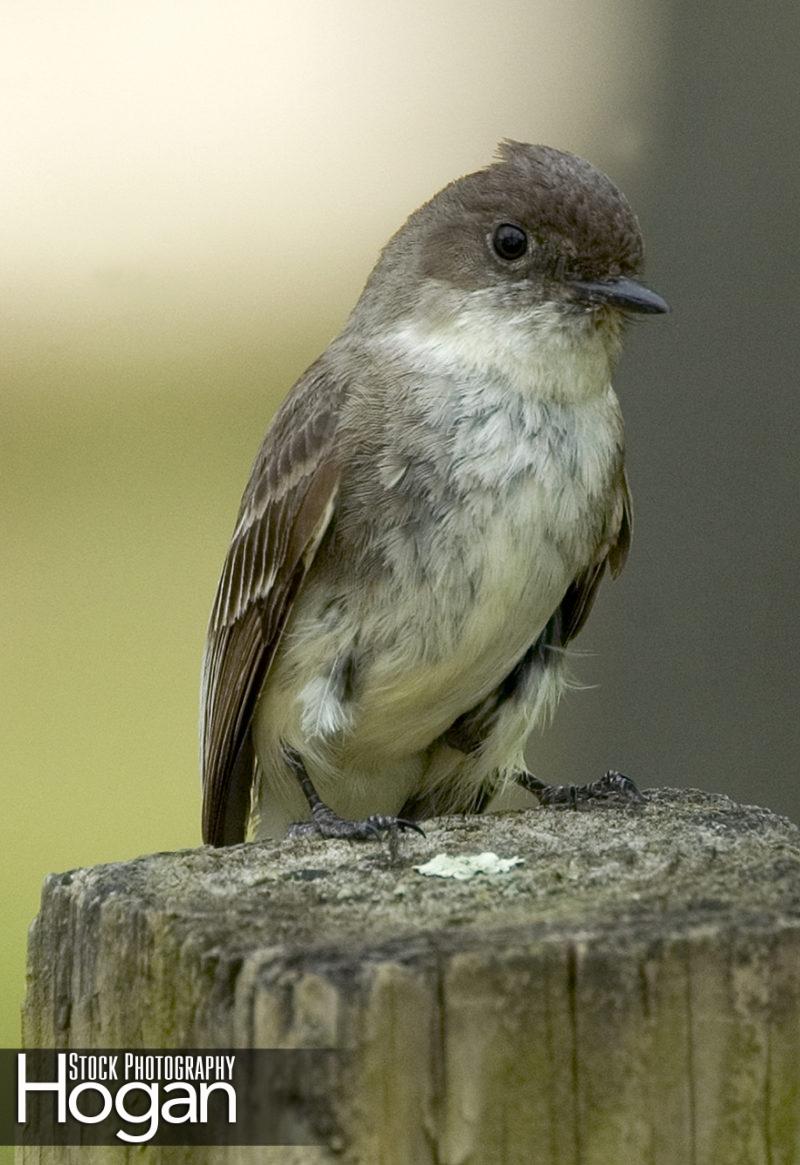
pixel 580 596
pixel 285 510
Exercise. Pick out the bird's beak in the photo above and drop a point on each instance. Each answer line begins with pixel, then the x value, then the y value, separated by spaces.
pixel 626 294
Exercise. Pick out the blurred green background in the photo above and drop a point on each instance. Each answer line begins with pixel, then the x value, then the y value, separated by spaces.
pixel 193 195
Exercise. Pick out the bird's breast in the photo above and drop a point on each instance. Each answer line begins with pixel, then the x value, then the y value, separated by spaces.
pixel 452 572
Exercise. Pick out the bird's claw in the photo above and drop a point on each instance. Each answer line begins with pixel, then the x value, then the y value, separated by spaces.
pixel 383 824
pixel 614 786
pixel 328 824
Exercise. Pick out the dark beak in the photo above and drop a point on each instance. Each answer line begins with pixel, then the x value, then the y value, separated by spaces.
pixel 626 294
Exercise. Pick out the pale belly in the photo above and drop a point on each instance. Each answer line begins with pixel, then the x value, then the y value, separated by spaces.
pixel 440 668
pixel 424 652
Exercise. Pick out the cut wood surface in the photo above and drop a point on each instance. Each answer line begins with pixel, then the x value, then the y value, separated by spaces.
pixel 629 993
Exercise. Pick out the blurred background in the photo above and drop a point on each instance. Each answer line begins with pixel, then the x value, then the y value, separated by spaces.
pixel 192 197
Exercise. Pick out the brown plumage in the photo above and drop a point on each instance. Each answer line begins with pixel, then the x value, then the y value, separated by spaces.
pixel 284 511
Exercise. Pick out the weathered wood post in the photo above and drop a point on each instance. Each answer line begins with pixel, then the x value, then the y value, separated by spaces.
pixel 629 993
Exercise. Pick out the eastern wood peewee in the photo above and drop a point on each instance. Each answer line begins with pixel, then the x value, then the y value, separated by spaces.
pixel 429 517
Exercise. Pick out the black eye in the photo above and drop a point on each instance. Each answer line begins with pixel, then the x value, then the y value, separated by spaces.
pixel 510 242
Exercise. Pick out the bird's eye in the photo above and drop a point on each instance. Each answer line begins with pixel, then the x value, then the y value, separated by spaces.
pixel 509 241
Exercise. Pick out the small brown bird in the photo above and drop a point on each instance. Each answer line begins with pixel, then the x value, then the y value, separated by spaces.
pixel 429 517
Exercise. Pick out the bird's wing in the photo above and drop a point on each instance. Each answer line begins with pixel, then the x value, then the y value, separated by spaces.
pixel 469 731
pixel 577 602
pixel 285 510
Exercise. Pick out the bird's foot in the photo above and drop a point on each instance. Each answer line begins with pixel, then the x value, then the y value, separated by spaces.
pixel 613 787
pixel 326 823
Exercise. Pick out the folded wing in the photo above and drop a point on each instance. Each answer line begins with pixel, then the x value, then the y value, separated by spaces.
pixel 285 510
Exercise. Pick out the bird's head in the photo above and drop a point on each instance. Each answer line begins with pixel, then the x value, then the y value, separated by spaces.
pixel 538 239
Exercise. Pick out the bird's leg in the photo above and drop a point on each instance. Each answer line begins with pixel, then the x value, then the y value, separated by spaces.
pixel 325 823
pixel 612 787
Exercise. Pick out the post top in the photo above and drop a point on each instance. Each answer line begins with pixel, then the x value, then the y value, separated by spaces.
pixel 683 860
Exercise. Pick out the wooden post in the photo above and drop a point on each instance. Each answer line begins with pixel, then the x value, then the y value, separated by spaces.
pixel 628 995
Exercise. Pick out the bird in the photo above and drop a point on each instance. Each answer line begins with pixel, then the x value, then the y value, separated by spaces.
pixel 429 517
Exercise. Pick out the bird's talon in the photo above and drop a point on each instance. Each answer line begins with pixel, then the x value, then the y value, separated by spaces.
pixel 403 825
pixel 613 787
pixel 326 823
